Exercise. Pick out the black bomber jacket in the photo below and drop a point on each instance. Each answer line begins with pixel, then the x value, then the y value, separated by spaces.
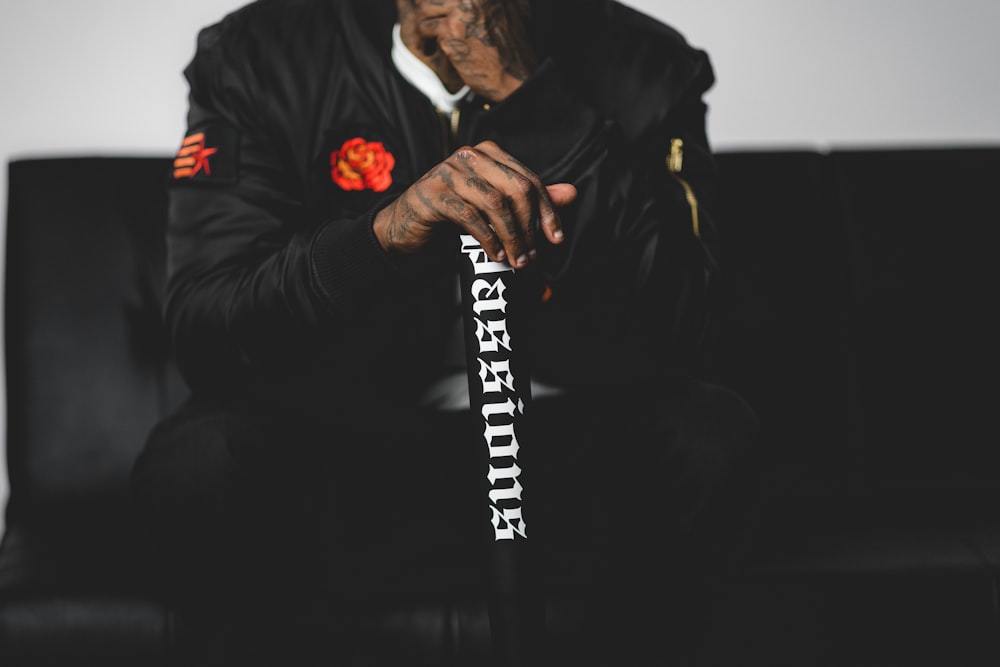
pixel 277 288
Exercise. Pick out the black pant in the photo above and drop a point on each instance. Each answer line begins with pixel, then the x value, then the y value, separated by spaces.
pixel 631 499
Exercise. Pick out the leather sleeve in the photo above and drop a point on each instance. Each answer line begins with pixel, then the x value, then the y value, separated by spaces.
pixel 248 269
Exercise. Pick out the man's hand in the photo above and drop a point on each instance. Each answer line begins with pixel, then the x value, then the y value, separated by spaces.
pixel 483 191
pixel 485 42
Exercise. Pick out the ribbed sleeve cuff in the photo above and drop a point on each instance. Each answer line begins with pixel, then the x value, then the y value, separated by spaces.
pixel 348 264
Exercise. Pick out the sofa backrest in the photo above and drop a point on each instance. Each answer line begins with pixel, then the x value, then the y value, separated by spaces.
pixel 857 316
pixel 781 326
pixel 926 333
pixel 88 371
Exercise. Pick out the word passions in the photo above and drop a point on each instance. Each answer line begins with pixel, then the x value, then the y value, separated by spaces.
pixel 501 404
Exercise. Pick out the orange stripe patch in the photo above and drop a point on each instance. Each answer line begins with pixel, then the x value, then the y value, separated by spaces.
pixel 192 156
pixel 208 155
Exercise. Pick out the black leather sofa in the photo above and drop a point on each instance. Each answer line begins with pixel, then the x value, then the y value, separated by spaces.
pixel 855 317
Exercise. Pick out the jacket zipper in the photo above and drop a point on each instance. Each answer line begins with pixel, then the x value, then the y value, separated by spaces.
pixel 675 163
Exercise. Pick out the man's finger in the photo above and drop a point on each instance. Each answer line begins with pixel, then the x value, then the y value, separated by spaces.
pixel 549 197
pixel 470 220
pixel 548 219
pixel 560 194
pixel 503 196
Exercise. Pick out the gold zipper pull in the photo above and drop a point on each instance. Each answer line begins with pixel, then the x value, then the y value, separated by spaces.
pixel 675 162
pixel 456 116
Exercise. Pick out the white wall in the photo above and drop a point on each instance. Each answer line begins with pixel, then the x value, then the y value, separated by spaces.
pixel 846 72
pixel 104 76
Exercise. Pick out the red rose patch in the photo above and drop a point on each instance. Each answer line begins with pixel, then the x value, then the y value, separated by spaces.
pixel 362 165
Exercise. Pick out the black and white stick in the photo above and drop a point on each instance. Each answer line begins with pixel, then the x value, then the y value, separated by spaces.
pixel 499 393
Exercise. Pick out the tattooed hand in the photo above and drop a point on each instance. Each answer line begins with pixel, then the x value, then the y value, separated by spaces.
pixel 485 43
pixel 486 193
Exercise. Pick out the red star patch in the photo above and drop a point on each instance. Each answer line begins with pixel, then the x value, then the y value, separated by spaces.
pixel 193 157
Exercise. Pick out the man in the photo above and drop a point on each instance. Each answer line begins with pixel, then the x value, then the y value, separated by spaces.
pixel 336 149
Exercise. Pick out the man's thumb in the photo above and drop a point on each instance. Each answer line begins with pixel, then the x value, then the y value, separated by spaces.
pixel 561 194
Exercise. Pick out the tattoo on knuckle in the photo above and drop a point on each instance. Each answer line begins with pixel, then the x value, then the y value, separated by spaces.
pixel 496 201
pixel 448 178
pixel 507 171
pixel 510 226
pixel 478 184
pixel 466 214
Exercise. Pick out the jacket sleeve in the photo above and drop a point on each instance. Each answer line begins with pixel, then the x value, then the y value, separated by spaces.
pixel 630 287
pixel 248 267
